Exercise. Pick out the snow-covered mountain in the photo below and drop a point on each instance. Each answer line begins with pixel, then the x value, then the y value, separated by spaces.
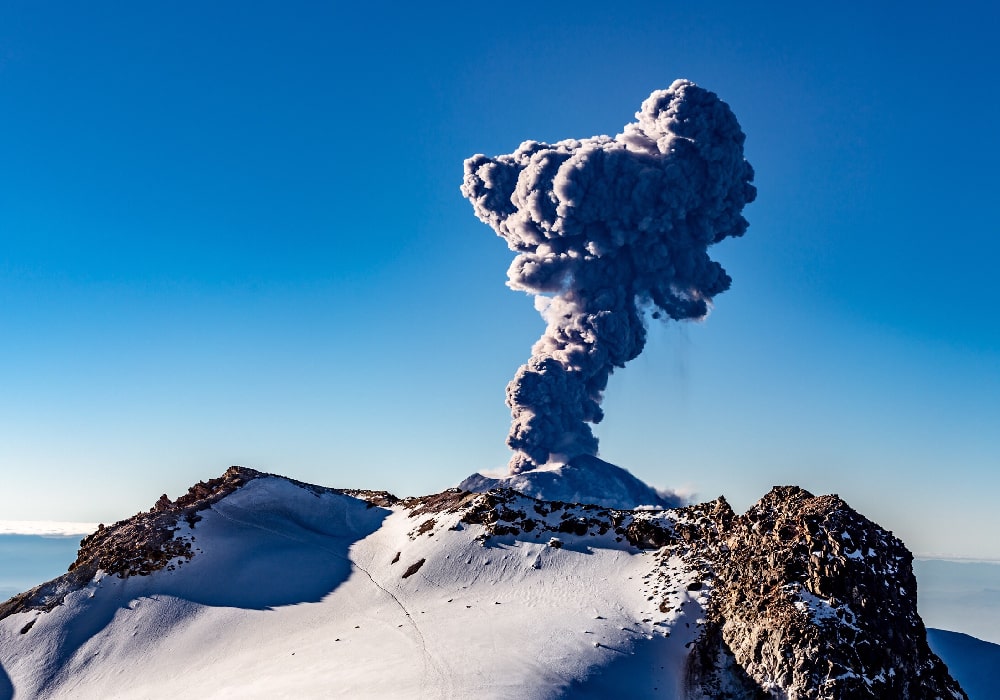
pixel 582 479
pixel 254 585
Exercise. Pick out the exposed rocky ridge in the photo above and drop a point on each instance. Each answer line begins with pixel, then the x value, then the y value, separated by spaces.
pixel 808 598
pixel 817 601
pixel 136 546
pixel 149 541
pixel 805 598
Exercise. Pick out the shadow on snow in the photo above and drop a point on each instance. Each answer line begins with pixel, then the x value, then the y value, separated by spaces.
pixel 261 553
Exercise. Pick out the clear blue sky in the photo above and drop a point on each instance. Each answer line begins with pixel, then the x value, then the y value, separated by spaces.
pixel 231 233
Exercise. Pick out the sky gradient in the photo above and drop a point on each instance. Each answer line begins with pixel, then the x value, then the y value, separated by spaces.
pixel 234 235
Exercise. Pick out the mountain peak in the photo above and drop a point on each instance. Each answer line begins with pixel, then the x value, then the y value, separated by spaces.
pixel 814 595
pixel 582 479
pixel 801 596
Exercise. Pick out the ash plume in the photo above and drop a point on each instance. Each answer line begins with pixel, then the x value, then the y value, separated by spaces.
pixel 607 230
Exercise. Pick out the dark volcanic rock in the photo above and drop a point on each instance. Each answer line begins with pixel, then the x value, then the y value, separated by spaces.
pixel 808 598
pixel 813 600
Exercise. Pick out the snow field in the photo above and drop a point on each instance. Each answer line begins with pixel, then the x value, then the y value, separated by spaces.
pixel 293 593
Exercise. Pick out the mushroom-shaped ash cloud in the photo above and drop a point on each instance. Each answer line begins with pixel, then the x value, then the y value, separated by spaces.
pixel 605 230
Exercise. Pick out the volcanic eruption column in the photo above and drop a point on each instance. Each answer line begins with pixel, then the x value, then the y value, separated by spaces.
pixel 606 229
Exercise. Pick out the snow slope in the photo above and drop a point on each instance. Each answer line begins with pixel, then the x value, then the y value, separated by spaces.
pixel 297 593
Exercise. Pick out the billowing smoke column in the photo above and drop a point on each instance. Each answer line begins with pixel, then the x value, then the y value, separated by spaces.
pixel 606 229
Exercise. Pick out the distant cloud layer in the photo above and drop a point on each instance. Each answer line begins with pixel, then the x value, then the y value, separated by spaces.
pixel 49 528
pixel 606 229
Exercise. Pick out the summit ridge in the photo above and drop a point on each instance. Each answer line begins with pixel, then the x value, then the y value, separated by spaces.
pixel 258 584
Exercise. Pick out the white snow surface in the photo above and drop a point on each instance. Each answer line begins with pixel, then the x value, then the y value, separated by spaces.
pixel 295 594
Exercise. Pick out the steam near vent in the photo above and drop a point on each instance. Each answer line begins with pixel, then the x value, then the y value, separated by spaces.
pixel 607 230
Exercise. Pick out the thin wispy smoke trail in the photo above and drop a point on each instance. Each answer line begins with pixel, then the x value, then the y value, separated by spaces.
pixel 605 230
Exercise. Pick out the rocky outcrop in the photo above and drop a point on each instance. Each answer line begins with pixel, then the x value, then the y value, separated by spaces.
pixel 813 600
pixel 146 542
pixel 808 598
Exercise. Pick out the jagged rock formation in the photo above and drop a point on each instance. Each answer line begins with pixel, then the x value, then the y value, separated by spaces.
pixel 809 599
pixel 136 546
pixel 801 597
pixel 816 601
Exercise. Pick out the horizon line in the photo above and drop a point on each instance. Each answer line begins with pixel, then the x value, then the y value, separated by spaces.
pixel 46 528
